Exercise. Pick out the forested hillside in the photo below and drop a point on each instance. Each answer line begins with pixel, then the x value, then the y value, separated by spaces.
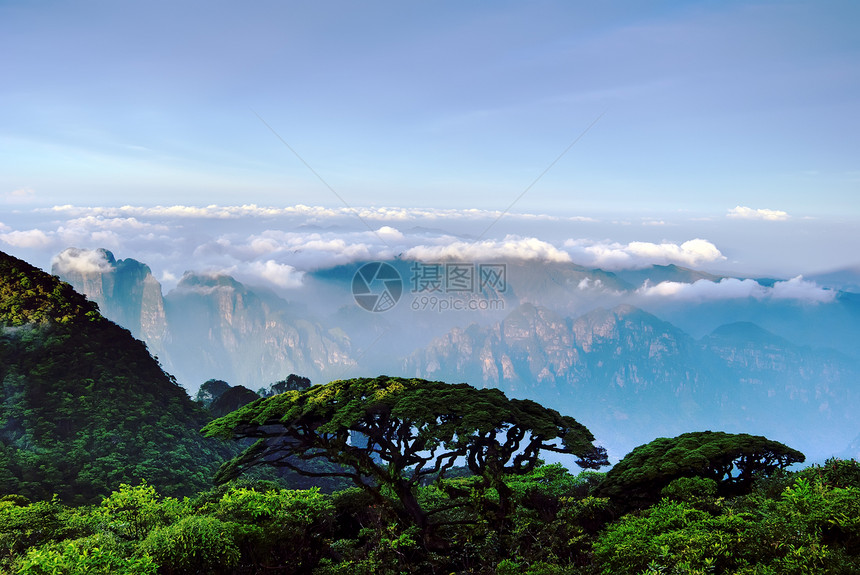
pixel 84 405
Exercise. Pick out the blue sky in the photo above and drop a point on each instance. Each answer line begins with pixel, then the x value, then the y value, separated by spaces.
pixel 706 107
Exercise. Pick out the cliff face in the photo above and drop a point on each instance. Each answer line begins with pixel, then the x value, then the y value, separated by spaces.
pixel 536 349
pixel 125 291
pixel 630 371
pixel 209 326
pixel 220 328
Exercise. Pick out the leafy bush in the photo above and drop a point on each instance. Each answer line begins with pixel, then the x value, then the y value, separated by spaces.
pixel 810 528
pixel 34 525
pixel 511 567
pixel 733 461
pixel 94 555
pixel 835 473
pixel 194 545
pixel 133 511
pixel 281 526
pixel 671 536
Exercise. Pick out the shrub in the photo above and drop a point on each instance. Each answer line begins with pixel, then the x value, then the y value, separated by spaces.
pixel 280 526
pixel 194 545
pixel 95 555
pixel 133 511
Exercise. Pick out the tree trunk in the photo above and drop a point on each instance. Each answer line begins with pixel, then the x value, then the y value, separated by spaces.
pixel 418 517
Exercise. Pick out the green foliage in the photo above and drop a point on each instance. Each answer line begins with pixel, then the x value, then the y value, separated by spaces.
pixel 283 526
pixel 194 545
pixel 690 489
pixel 231 400
pixel 94 555
pixel 511 567
pixel 211 390
pixel 384 548
pixel 809 527
pixel 132 512
pixel 835 473
pixel 30 296
pixel 293 382
pixel 29 526
pixel 671 535
pixel 733 461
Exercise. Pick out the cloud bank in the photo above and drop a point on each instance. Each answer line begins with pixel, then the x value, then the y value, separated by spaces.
pixel 731 288
pixel 489 250
pixel 20 196
pixel 615 256
pixel 275 246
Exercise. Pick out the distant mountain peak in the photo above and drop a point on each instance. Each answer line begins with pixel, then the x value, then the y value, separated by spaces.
pixel 747 332
pixel 195 281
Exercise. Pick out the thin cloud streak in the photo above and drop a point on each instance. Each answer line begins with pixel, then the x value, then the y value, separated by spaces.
pixel 745 213
pixel 301 210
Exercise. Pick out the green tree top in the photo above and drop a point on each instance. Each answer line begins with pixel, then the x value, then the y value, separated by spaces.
pixel 731 460
pixel 391 432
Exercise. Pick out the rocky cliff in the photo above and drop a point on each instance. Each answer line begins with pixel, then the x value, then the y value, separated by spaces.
pixel 221 328
pixel 125 291
pixel 629 371
pixel 208 326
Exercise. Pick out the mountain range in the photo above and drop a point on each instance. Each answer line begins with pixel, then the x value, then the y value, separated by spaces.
pixel 606 347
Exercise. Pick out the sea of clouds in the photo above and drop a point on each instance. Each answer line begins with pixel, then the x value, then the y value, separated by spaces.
pixel 276 246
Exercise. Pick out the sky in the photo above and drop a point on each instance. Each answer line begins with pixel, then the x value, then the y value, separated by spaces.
pixel 298 130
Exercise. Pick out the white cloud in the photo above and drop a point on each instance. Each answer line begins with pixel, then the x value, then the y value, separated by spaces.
pixel 282 275
pixel 727 288
pixel 27 239
pixel 81 261
pixel 387 233
pixel 745 213
pixel 168 278
pixel 588 283
pixel 511 247
pixel 799 288
pixel 612 255
pixel 733 288
pixel 20 196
